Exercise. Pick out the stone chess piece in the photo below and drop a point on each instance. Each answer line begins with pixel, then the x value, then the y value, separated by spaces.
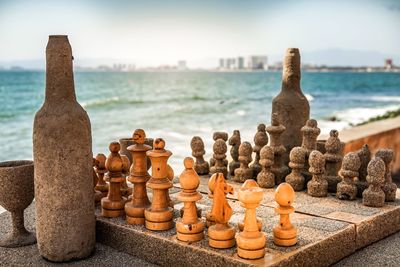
pixel 235 142
pixel 333 160
pixel 318 186
pixel 275 131
pixel 219 163
pixel 310 133
pixel 266 178
pixel 201 166
pixel 347 189
pixel 365 157
pixel 126 191
pixel 189 228
pixel 101 170
pixel 221 234
pixel 138 176
pixel 374 196
pixel 297 160
pixel 97 194
pixel 388 187
pixel 160 215
pixel 260 140
pixel 285 234
pixel 250 242
pixel 244 172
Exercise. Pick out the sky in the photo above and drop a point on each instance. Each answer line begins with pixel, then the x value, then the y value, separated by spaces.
pixel 149 33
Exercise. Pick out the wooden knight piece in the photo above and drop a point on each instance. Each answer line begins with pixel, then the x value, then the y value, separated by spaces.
pixel 201 166
pixel 388 187
pixel 101 170
pixel 234 141
pixel 260 140
pixel 244 172
pixel 125 189
pixel 333 160
pixel 318 186
pixel 365 157
pixel 297 160
pixel 310 133
pixel 160 215
pixel 266 178
pixel 134 209
pixel 347 189
pixel 374 196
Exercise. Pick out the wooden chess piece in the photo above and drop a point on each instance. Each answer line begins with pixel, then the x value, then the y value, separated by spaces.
pixel 97 194
pixel 374 196
pixel 244 172
pixel 170 176
pixel 211 183
pixel 388 187
pixel 310 133
pixel 285 234
pixel 221 234
pixel 101 170
pixel 297 160
pixel 365 157
pixel 266 178
pixel 275 131
pixel 113 204
pixel 125 189
pixel 201 166
pixel 318 186
pixel 250 242
pixel 189 228
pixel 333 160
pixel 347 189
pixel 219 162
pixel 260 140
pixel 159 216
pixel 234 141
pixel 134 209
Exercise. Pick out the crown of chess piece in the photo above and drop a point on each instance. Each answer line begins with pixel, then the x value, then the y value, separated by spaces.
pixel 97 194
pixel 234 141
pixel 244 172
pixel 365 157
pixel 388 187
pixel 374 196
pixel 189 228
pixel 333 160
pixel 310 133
pixel 159 216
pixel 266 178
pixel 275 131
pixel 250 242
pixel 201 166
pixel 221 234
pixel 260 140
pixel 347 189
pixel 126 164
pixel 285 234
pixel 219 163
pixel 101 170
pixel 113 204
pixel 138 176
pixel 318 186
pixel 297 160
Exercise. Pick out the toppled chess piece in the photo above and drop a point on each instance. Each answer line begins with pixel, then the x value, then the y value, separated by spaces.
pixel 189 228
pixel 310 133
pixel 388 187
pixel 101 170
pixel 365 157
pixel 97 194
pixel 374 196
pixel 234 141
pixel 260 140
pixel 285 234
pixel 244 172
pixel 266 178
pixel 221 234
pixel 333 160
pixel 218 162
pixel 250 242
pixel 318 186
pixel 297 160
pixel 125 189
pixel 201 166
pixel 346 189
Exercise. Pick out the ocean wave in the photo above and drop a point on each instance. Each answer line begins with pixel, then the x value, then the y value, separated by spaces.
pixel 309 97
pixel 110 102
pixel 386 98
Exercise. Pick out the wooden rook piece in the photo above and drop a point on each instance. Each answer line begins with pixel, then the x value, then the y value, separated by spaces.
pixel 218 162
pixel 125 189
pixel 134 209
pixel 365 157
pixel 201 166
pixel 347 189
pixel 318 186
pixel 113 204
pixel 221 234
pixel 374 196
pixel 260 140
pixel 101 170
pixel 97 194
pixel 250 242
pixel 297 160
pixel 285 234
pixel 388 187
pixel 333 160
pixel 160 215
pixel 234 141
pixel 266 178
pixel 244 172
pixel 189 228
pixel 310 133
pixel 275 131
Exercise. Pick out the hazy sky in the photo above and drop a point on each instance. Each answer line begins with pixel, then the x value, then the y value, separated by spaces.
pixel 162 32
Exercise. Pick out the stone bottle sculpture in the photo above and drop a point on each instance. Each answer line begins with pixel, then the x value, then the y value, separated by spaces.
pixel 290 104
pixel 62 152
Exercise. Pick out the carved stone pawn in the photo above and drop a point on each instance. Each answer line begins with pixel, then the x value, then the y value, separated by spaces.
pixel 101 170
pixel 374 196
pixel 201 166
pixel 219 162
pixel 297 159
pixel 310 133
pixel 365 157
pixel 235 142
pixel 266 178
pixel 224 137
pixel 347 189
pixel 318 186
pixel 244 172
pixel 388 187
pixel 333 160
pixel 97 194
pixel 260 140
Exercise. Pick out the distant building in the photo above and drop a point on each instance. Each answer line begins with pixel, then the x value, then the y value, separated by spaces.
pixel 258 63
pixel 388 63
pixel 240 63
pixel 221 63
pixel 182 65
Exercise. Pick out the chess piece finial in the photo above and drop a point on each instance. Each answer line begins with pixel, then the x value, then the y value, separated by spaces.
pixel 266 178
pixel 297 160
pixel 138 176
pixel 310 133
pixel 189 228
pixel 160 215
pixel 244 172
pixel 201 166
pixel 275 131
pixel 388 187
pixel 101 170
pixel 285 234
pixel 260 140
pixel 318 186
pixel 347 189
pixel 374 196
pixel 97 194
pixel 365 157
pixel 234 141
pixel 126 164
pixel 219 163
pixel 113 204
pixel 250 242
pixel 333 160
pixel 221 234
